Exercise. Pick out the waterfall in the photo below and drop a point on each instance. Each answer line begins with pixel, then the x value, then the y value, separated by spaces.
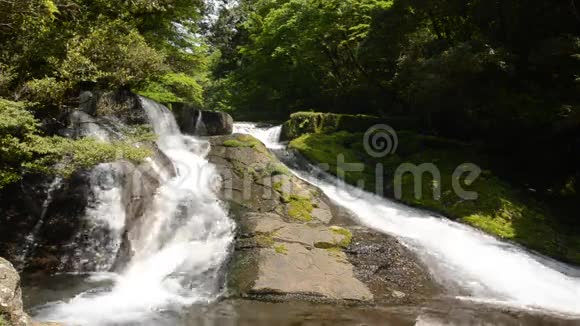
pixel 97 242
pixel 179 246
pixel 199 128
pixel 269 136
pixel 470 264
pixel 29 245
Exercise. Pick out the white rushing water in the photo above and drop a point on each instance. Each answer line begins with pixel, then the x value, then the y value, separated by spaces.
pixel 97 242
pixel 182 243
pixel 270 136
pixel 469 263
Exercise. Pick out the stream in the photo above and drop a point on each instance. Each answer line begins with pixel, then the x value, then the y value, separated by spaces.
pixel 183 242
pixel 471 265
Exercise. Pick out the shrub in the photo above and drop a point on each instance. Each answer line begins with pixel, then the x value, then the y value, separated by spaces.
pixel 174 87
pixel 24 150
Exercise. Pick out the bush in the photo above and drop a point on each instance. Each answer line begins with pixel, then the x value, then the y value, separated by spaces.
pixel 313 122
pixel 112 55
pixel 174 87
pixel 47 90
pixel 63 156
pixel 24 150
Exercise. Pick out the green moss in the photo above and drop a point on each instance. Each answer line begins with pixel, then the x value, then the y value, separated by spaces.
pixel 327 149
pixel 300 208
pixel 247 141
pixel 236 143
pixel 301 123
pixel 347 236
pixel 500 209
pixel 334 250
pixel 274 169
pixel 264 240
pixel 281 249
pixel 278 186
pixel 3 321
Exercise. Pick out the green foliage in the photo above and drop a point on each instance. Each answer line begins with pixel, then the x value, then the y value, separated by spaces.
pixel 47 90
pixel 311 44
pixel 17 135
pixel 315 122
pixel 25 150
pixel 460 69
pixel 71 155
pixel 112 54
pixel 51 49
pixel 501 209
pixel 174 87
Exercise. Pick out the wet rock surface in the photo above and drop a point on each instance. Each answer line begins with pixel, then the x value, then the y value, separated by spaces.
pixel 294 243
pixel 389 269
pixel 446 312
pixel 57 234
pixel 45 222
pixel 11 308
pixel 193 121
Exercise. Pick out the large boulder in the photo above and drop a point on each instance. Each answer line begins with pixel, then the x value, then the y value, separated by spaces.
pixel 122 105
pixel 54 225
pixel 11 308
pixel 59 226
pixel 193 121
pixel 294 243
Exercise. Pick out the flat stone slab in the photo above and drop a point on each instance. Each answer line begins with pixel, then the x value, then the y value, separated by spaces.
pixel 310 235
pixel 317 272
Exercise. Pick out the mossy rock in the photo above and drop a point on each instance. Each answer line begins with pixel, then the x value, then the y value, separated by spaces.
pixel 346 236
pixel 301 123
pixel 500 209
pixel 242 141
pixel 300 208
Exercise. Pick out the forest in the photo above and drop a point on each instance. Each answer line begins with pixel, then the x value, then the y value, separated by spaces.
pixel 287 85
pixel 501 74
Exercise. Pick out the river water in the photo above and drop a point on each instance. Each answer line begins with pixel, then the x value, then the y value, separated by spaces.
pixel 184 240
pixel 180 245
pixel 471 265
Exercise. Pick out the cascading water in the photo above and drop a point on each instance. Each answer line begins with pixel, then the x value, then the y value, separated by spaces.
pixel 30 240
pixel 199 128
pixel 471 264
pixel 178 249
pixel 95 246
pixel 269 136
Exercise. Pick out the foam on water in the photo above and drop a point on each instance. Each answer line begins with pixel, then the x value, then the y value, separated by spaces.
pixel 269 136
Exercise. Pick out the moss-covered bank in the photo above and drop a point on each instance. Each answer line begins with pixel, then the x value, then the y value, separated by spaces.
pixel 500 209
pixel 315 122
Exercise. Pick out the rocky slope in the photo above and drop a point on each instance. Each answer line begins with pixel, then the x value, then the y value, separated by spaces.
pixel 293 243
